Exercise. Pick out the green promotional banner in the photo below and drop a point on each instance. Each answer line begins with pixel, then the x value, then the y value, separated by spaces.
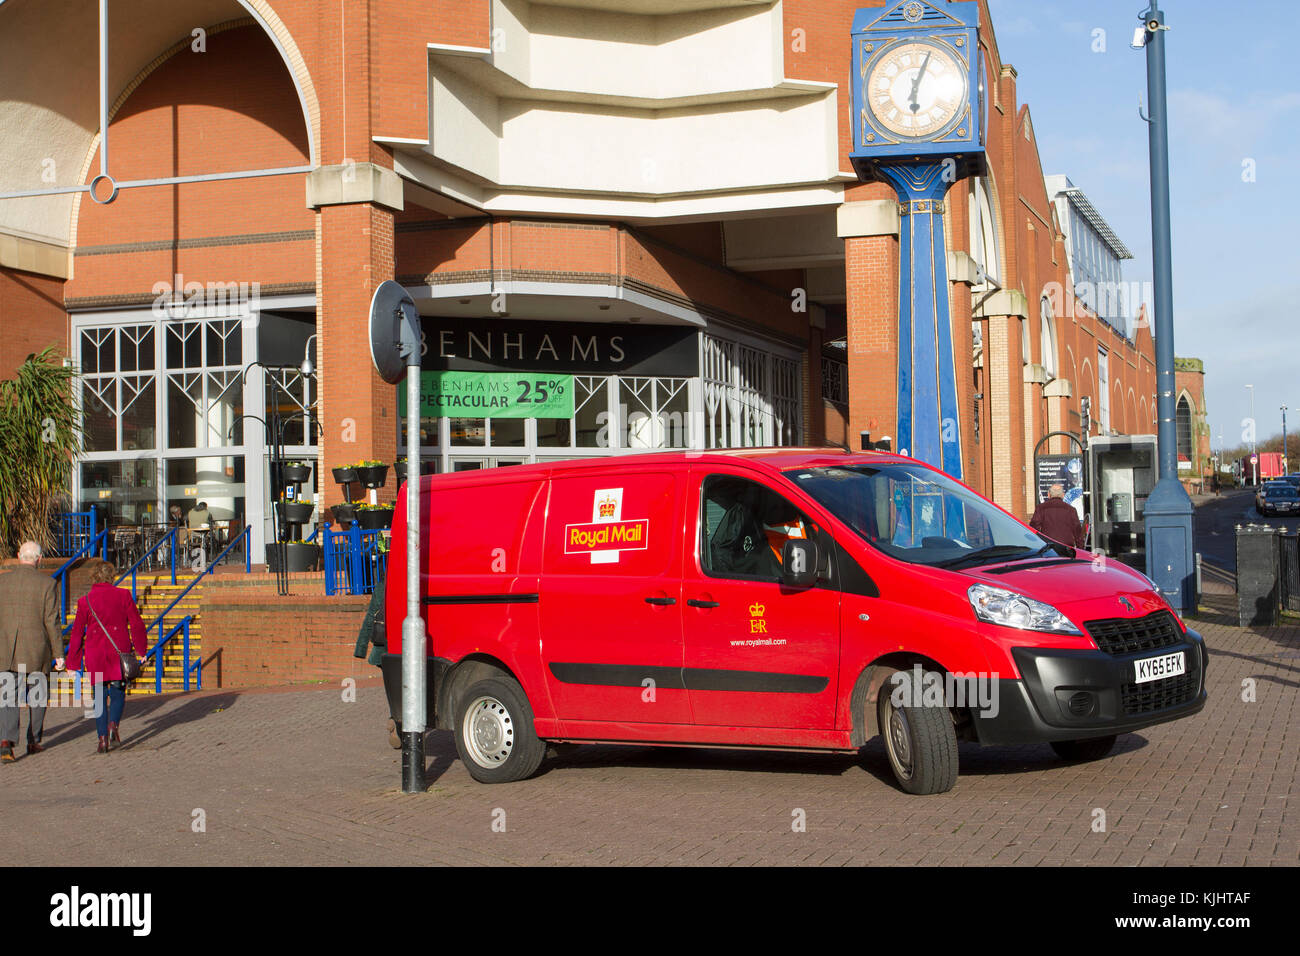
pixel 492 395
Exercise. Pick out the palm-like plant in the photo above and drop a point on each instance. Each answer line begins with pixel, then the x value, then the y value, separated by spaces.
pixel 40 438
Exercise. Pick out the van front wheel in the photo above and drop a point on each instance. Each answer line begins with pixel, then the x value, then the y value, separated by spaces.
pixel 921 744
pixel 494 732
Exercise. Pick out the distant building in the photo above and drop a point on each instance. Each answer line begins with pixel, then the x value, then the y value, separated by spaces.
pixel 1195 462
pixel 1093 253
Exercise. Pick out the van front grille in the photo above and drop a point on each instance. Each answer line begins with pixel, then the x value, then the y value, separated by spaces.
pixel 1159 694
pixel 1132 635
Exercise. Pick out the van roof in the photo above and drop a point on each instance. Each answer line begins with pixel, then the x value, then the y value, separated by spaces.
pixel 776 459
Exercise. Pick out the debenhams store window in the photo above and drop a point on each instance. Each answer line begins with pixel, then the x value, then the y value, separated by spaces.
pixel 511 392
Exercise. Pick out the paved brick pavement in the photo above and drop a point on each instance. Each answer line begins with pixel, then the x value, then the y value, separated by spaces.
pixel 299 776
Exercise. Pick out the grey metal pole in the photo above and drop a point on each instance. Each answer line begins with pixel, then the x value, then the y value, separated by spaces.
pixel 1168 513
pixel 414 662
pixel 103 87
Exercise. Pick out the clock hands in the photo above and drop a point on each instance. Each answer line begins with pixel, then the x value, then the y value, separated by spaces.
pixel 916 83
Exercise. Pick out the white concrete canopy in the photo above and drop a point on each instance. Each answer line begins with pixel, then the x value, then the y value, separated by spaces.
pixel 647 112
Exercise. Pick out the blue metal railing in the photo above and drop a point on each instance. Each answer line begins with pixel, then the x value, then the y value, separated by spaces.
pixel 248 567
pixel 169 539
pixel 72 530
pixel 99 541
pixel 354 559
pixel 159 664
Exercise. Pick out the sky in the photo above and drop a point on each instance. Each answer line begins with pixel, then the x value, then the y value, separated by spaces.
pixel 1234 132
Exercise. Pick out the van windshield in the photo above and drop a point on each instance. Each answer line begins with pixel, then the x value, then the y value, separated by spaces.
pixel 921 516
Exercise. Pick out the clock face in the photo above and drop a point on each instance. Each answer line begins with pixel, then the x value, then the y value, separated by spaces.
pixel 916 90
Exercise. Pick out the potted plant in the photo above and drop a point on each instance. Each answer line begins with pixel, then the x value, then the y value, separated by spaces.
pixel 371 473
pixel 374 517
pixel 345 513
pixel 296 471
pixel 345 474
pixel 295 512
pixel 298 556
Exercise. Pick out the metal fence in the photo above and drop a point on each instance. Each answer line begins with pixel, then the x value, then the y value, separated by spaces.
pixel 354 559
pixel 72 530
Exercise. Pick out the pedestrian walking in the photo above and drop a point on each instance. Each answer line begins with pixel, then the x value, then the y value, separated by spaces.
pixel 1057 519
pixel 107 623
pixel 30 642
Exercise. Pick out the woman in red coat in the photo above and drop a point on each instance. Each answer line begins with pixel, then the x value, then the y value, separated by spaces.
pixel 105 608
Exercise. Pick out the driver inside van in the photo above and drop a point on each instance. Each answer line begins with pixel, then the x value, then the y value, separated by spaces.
pixel 781 522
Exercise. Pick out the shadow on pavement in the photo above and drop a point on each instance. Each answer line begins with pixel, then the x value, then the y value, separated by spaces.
pixel 975 761
pixel 149 711
pixel 195 708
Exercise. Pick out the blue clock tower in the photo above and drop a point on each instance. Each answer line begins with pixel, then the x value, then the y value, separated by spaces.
pixel 917 117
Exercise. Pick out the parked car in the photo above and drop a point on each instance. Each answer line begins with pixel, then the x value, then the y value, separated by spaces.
pixel 1270 487
pixel 1279 498
pixel 781 598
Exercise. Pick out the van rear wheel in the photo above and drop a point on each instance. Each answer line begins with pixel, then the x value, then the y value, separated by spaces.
pixel 1093 749
pixel 921 744
pixel 494 732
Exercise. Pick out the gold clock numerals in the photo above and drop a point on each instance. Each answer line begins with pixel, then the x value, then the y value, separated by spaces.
pixel 916 89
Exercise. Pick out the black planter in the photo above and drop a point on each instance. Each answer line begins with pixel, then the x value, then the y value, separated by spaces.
pixel 371 519
pixel 299 556
pixel 373 477
pixel 345 475
pixel 296 512
pixel 345 514
pixel 296 473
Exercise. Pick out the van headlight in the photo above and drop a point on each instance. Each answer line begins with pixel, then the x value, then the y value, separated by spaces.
pixel 1009 609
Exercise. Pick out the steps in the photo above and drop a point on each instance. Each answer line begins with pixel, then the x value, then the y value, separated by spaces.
pixel 154 592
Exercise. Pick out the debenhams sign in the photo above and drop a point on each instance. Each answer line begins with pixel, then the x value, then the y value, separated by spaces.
pixel 580 348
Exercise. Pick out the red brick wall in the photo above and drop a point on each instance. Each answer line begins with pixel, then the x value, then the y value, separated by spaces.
pixel 233 107
pixel 604 253
pixel 31 315
pixel 358 411
pixel 871 280
pixel 253 637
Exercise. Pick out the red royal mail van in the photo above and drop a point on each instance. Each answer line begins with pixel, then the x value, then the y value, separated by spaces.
pixel 779 598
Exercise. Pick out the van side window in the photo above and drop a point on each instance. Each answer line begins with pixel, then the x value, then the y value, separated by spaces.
pixel 744 527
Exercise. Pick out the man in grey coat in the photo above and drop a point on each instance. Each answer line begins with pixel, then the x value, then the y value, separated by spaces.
pixel 30 641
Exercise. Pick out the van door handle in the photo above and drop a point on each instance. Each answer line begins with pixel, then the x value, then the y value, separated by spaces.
pixel 696 602
pixel 661 600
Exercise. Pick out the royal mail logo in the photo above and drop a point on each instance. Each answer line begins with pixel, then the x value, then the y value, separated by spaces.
pixel 606 536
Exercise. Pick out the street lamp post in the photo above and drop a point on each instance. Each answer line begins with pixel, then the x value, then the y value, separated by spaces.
pixel 1254 464
pixel 1168 513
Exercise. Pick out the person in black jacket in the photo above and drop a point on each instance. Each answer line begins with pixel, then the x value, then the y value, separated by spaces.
pixel 372 634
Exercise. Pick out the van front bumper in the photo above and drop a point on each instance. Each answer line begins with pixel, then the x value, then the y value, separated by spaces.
pixel 1077 694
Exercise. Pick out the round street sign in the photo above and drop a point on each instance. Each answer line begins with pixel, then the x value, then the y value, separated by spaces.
pixel 386 308
pixel 1254 459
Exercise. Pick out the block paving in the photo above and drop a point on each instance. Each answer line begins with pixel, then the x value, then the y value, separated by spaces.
pixel 299 775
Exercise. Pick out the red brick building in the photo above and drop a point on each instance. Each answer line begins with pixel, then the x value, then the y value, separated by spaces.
pixel 648 171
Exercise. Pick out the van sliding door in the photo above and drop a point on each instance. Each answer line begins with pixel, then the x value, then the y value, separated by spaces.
pixel 610 612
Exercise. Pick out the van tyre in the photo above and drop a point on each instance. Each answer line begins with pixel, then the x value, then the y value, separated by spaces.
pixel 494 732
pixel 1093 749
pixel 921 744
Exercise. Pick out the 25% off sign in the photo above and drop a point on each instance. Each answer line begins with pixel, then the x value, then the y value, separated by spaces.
pixel 493 395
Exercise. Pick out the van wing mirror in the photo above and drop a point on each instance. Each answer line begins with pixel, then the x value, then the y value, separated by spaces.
pixel 799 561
